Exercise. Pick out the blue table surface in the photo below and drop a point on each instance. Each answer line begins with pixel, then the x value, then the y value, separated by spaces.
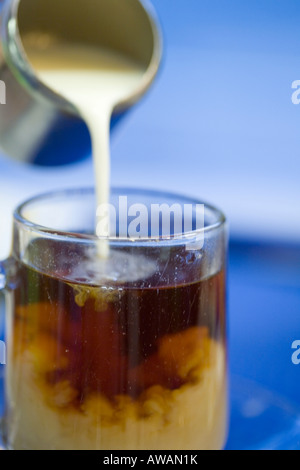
pixel 264 306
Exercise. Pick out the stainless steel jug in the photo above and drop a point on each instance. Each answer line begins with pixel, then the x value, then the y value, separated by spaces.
pixel 36 124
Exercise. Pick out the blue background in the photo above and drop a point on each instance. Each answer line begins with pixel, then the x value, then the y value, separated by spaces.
pixel 220 124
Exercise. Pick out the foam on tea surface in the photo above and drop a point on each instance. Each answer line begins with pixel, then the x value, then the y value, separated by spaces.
pixel 102 280
pixel 118 268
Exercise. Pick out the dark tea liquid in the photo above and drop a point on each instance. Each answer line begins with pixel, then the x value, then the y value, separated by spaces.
pixel 117 339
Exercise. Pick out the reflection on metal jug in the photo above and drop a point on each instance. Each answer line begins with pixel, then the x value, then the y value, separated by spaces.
pixel 36 124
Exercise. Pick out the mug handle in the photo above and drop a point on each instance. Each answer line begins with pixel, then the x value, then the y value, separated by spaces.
pixel 2 271
pixel 3 284
pixel 7 282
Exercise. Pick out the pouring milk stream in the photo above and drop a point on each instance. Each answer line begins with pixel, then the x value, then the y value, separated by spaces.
pixel 94 80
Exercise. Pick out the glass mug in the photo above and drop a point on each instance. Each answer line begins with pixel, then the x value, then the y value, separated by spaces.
pixel 126 352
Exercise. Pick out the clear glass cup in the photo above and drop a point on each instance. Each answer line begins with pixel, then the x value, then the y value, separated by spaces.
pixel 123 352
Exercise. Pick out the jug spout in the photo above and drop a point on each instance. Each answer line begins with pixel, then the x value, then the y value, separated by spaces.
pixel 36 124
